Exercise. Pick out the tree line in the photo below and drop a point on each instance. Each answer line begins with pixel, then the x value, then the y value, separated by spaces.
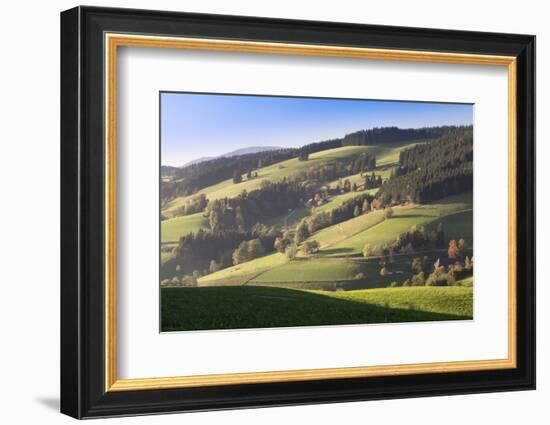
pixel 429 272
pixel 198 250
pixel 249 208
pixel 192 206
pixel 381 135
pixel 415 239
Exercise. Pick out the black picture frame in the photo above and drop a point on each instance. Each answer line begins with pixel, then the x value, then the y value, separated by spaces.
pixel 82 218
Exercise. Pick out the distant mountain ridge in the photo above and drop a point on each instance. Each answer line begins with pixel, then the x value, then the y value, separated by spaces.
pixel 197 161
pixel 237 152
pixel 251 149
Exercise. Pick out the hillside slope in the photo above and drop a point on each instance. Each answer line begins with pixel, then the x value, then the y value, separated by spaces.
pixel 388 154
pixel 260 307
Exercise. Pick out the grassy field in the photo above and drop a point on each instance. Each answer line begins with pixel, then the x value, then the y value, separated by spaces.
pixel 339 232
pixel 174 228
pixel 337 200
pixel 261 307
pixel 166 256
pixel 390 154
pixel 338 273
pixel 458 225
pixel 241 273
pixel 403 219
pixel 467 282
pixel 311 270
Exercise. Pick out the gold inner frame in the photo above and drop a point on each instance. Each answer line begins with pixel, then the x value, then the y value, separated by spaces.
pixel 113 41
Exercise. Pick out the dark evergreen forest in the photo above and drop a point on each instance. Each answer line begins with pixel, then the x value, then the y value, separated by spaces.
pixel 433 170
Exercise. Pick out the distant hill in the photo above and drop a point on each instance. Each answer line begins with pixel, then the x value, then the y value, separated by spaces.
pixel 238 152
pixel 198 160
pixel 251 149
pixel 168 170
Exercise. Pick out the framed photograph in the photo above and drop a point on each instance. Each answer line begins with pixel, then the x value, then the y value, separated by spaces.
pixel 261 212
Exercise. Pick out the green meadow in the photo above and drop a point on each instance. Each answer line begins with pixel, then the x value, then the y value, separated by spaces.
pixel 173 228
pixel 335 285
pixel 404 218
pixel 263 307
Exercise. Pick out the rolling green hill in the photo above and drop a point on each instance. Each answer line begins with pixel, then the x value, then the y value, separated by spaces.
pixel 404 218
pixel 273 172
pixel 337 200
pixel 339 260
pixel 342 231
pixel 260 307
pixel 241 273
pixel 332 274
pixel 386 154
pixel 173 228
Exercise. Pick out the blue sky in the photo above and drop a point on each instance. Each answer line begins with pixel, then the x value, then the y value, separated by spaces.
pixel 199 125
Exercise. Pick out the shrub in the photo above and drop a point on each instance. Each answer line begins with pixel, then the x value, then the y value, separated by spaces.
pixel 388 213
pixel 407 282
pixel 451 277
pixel 214 267
pixel 360 275
pixel 255 249
pixel 462 247
pixel 407 249
pixel 419 279
pixel 310 247
pixel 282 242
pixel 247 251
pixel 377 203
pixel 468 265
pixel 367 250
pixel 373 250
pixel 394 284
pixel 302 232
pixel 318 221
pixel 439 278
pixel 417 265
pixel 189 281
pixel 291 252
pixel 453 251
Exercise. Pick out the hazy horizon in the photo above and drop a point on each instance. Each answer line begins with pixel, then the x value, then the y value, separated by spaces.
pixel 209 125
